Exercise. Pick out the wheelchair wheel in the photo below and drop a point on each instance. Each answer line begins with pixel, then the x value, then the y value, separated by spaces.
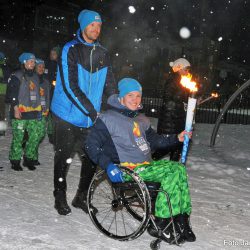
pixel 120 210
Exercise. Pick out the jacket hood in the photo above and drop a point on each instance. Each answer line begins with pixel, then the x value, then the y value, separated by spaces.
pixel 80 38
pixel 114 102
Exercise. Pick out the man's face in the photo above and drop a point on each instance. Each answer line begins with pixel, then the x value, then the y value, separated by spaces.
pixel 183 71
pixel 92 32
pixel 40 69
pixel 30 64
pixel 53 55
pixel 132 100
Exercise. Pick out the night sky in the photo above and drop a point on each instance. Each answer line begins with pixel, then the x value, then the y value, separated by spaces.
pixel 143 36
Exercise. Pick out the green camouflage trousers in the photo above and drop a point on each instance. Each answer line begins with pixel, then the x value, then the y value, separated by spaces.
pixel 173 178
pixel 36 131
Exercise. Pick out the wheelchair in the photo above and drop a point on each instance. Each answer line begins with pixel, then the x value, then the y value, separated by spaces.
pixel 123 211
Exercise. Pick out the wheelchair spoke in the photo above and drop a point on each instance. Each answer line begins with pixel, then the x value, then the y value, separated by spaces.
pixel 102 210
pixel 128 224
pixel 112 223
pixel 104 194
pixel 107 215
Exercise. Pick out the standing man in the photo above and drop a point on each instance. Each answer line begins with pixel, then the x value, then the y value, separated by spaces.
pixel 84 73
pixel 172 115
pixel 51 67
pixel 51 70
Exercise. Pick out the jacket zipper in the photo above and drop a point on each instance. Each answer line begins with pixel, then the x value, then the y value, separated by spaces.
pixel 90 80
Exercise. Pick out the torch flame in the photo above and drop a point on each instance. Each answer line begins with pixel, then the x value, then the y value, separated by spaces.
pixel 215 95
pixel 187 83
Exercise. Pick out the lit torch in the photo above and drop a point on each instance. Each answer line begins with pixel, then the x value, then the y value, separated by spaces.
pixel 187 82
pixel 213 95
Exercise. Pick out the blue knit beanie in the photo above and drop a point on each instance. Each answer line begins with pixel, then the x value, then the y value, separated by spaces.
pixel 127 85
pixel 25 57
pixel 39 61
pixel 87 17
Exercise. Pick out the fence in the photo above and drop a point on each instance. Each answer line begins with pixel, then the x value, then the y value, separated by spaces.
pixel 239 112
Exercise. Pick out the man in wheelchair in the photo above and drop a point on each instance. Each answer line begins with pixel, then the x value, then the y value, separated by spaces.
pixel 124 136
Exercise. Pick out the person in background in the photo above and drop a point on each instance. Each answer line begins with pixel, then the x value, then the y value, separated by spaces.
pixel 5 72
pixel 124 136
pixel 51 71
pixel 173 115
pixel 51 67
pixel 84 74
pixel 44 90
pixel 25 112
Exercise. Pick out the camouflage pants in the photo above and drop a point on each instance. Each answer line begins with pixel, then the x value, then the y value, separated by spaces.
pixel 35 130
pixel 173 178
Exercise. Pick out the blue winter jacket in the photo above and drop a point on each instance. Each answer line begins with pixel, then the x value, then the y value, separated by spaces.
pixel 83 74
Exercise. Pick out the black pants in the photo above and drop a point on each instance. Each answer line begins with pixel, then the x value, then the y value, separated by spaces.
pixel 69 140
pixel 173 152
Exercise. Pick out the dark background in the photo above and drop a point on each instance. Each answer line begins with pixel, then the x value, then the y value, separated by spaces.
pixel 142 44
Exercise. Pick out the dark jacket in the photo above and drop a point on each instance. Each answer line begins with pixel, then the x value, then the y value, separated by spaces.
pixel 120 135
pixel 84 74
pixel 23 91
pixel 172 115
pixel 51 68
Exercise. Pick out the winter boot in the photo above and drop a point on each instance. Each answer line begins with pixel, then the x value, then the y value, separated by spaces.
pixel 167 234
pixel 80 201
pixel 15 164
pixel 29 163
pixel 61 204
pixel 36 163
pixel 183 223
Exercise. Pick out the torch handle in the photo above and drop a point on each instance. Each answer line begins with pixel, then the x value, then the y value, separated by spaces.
pixel 188 126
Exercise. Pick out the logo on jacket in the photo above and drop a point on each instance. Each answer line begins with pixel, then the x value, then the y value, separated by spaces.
pixel 32 85
pixel 41 91
pixel 136 130
pixel 139 139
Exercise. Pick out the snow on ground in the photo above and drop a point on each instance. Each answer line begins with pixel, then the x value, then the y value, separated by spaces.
pixel 218 179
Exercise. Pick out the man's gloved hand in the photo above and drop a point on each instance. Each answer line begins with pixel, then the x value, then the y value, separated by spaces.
pixel 114 173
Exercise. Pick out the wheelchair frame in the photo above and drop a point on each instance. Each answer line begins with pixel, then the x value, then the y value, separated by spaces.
pixel 122 211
